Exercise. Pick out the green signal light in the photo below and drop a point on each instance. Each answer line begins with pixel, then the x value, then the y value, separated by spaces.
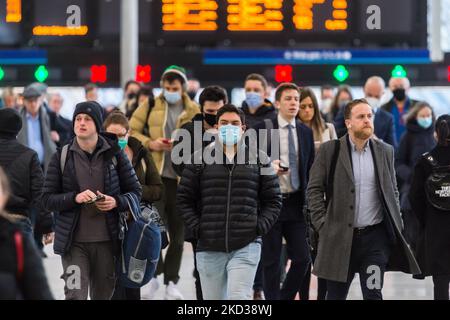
pixel 41 74
pixel 2 73
pixel 399 72
pixel 341 73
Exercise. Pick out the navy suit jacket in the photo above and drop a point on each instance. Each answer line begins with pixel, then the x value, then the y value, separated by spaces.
pixel 384 126
pixel 305 149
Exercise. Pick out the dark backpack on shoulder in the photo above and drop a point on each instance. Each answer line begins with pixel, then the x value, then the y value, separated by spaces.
pixel 437 185
pixel 140 246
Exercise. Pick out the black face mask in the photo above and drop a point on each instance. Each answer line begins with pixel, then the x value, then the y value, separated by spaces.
pixel 132 95
pixel 399 94
pixel 209 119
pixel 192 94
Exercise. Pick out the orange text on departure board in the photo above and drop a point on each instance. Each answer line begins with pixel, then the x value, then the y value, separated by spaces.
pixel 189 15
pixel 255 15
pixel 304 17
pixel 13 10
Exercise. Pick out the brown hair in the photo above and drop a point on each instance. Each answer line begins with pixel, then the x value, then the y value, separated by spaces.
pixel 283 87
pixel 335 104
pixel 349 107
pixel 412 114
pixel 257 77
pixel 317 124
pixel 116 117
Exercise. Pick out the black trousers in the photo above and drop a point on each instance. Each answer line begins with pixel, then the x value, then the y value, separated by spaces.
pixel 369 258
pixel 441 285
pixel 294 231
pixel 321 283
pixel 198 286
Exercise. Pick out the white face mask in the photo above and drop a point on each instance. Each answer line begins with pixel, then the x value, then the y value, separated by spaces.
pixel 374 103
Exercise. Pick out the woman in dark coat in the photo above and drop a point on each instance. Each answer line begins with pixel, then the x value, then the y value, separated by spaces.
pixel 22 274
pixel 417 140
pixel 146 171
pixel 433 250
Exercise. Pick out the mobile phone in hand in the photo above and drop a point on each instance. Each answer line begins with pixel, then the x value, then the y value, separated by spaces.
pixel 283 168
pixel 97 198
pixel 166 141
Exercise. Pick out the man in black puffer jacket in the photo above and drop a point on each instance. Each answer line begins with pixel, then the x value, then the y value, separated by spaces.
pixel 24 172
pixel 229 205
pixel 87 192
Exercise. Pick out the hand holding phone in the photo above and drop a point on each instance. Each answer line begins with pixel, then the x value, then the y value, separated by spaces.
pixel 96 199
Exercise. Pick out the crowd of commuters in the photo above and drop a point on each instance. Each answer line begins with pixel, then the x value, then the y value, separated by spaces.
pixel 331 187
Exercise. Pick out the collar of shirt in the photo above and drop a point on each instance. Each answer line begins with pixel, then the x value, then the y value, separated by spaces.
pixel 366 146
pixel 283 123
pixel 30 117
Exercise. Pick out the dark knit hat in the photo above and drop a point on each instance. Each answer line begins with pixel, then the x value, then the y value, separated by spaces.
pixel 10 123
pixel 92 109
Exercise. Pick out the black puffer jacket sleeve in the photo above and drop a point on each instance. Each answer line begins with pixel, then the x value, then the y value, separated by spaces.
pixel 187 198
pixel 37 180
pixel 129 182
pixel 269 199
pixel 52 198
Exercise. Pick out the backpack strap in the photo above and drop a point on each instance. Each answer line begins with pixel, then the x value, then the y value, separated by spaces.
pixel 63 157
pixel 151 105
pixel 329 189
pixel 144 165
pixel 18 242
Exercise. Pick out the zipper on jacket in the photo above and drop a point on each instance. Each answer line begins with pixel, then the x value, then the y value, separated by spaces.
pixel 228 208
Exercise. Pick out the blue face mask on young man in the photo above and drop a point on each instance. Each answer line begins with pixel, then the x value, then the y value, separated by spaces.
pixel 229 134
pixel 253 100
pixel 172 97
pixel 425 122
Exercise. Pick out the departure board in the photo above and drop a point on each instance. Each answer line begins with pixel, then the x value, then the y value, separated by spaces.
pixel 220 22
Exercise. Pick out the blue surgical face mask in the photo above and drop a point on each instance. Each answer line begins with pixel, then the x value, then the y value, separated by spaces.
pixel 425 122
pixel 172 97
pixel 253 100
pixel 122 143
pixel 229 134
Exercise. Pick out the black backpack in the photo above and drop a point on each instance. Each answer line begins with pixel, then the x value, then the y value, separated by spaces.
pixel 437 185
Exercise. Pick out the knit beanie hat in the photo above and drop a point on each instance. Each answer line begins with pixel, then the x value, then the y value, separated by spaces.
pixel 10 123
pixel 178 70
pixel 92 109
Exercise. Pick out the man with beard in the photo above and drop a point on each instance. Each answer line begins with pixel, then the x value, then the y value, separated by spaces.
pixel 400 104
pixel 354 205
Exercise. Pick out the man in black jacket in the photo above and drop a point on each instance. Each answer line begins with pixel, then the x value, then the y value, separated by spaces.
pixel 256 106
pixel 400 104
pixel 24 173
pixel 211 100
pixel 229 204
pixel 85 184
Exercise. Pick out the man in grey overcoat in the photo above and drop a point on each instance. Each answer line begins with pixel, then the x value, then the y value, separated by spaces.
pixel 360 231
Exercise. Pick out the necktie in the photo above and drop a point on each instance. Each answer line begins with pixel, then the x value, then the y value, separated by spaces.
pixel 293 167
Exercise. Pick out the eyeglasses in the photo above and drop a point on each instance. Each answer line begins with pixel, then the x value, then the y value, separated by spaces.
pixel 304 106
